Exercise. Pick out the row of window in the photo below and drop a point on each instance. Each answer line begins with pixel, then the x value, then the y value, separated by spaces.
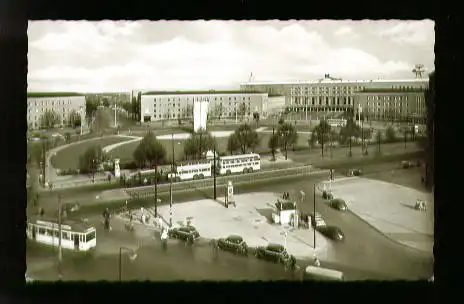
pixel 194 171
pixel 326 89
pixel 65 234
pixel 240 165
pixel 47 102
pixel 206 98
pixel 396 98
pixel 174 105
pixel 42 110
pixel 238 161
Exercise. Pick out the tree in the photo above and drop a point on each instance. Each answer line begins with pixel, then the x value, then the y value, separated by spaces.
pixel 102 121
pixel 198 143
pixel 74 119
pixel 67 137
pixel 418 70
pixel 350 130
pixel 151 151
pixel 256 118
pixel 91 107
pixel 91 159
pixel 287 136
pixel 390 134
pixel 242 109
pixel 106 102
pixel 49 119
pixel 233 143
pixel 273 144
pixel 321 133
pixel 246 136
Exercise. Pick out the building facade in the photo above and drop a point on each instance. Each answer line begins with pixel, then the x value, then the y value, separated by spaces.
pixel 63 104
pixel 328 96
pixel 391 105
pixel 156 106
pixel 430 148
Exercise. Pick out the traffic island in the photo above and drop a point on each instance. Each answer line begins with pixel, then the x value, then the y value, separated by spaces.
pixel 247 219
pixel 389 208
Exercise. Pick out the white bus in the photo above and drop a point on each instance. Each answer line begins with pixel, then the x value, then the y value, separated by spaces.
pixel 336 122
pixel 192 170
pixel 77 236
pixel 244 163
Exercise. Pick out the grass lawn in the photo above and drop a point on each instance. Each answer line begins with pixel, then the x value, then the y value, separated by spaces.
pixel 68 158
pixel 125 152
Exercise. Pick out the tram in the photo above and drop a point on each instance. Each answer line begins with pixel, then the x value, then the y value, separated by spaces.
pixel 76 236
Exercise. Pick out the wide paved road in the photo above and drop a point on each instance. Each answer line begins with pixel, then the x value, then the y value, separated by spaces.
pixel 366 254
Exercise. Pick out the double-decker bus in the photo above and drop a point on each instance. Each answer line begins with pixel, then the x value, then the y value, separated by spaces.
pixel 244 163
pixel 75 235
pixel 191 170
pixel 336 122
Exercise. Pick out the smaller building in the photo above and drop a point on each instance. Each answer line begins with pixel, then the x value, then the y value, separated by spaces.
pixel 284 212
pixel 391 105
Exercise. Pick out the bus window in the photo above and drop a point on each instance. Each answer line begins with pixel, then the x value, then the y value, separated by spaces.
pixel 56 233
pixel 42 231
pixel 65 235
pixel 48 232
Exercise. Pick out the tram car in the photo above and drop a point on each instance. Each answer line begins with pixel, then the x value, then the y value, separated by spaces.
pixel 75 235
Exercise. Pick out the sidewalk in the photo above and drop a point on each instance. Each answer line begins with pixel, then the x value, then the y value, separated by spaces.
pixel 389 208
pixel 248 219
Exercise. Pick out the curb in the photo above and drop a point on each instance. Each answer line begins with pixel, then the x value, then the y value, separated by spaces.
pixel 377 229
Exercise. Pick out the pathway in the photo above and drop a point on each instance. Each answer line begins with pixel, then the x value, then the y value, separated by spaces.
pixel 389 208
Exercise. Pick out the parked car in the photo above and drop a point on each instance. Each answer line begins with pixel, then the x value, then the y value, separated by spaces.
pixel 332 232
pixel 317 220
pixel 354 172
pixel 338 204
pixel 233 243
pixel 406 164
pixel 185 233
pixel 327 195
pixel 277 254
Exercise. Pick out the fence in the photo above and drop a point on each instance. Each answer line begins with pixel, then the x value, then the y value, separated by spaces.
pixel 221 181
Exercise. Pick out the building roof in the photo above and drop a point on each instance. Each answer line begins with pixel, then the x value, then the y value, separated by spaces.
pixel 52 94
pixel 328 81
pixel 77 226
pixel 211 92
pixel 390 90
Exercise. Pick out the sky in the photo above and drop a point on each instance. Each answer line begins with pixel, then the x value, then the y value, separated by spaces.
pixel 107 56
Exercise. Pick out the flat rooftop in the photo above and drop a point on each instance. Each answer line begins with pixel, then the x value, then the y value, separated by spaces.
pixel 53 94
pixel 210 92
pixel 340 81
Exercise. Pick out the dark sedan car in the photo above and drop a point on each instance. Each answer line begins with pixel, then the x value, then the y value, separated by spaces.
pixel 332 232
pixel 338 204
pixel 185 233
pixel 277 254
pixel 354 172
pixel 233 243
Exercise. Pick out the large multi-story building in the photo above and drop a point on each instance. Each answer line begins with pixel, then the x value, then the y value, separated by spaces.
pixel 430 148
pixel 327 96
pixel 155 106
pixel 63 104
pixel 391 105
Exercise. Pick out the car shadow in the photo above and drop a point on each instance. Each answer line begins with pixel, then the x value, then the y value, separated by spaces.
pixel 409 206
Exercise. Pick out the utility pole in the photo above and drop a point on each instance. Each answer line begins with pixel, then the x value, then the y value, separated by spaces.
pixel 214 170
pixel 60 256
pixel 314 214
pixel 170 183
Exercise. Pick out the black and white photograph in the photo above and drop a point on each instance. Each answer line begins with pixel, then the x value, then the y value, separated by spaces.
pixel 230 150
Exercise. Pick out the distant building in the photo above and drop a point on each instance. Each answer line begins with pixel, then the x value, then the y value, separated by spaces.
pixel 62 104
pixel 156 106
pixel 326 97
pixel 391 105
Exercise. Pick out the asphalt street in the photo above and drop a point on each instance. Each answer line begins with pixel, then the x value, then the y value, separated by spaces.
pixel 365 254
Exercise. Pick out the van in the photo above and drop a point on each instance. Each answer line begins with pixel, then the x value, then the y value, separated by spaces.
pixel 322 274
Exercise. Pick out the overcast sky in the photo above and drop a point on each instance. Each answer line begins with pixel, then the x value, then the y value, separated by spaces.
pixel 165 55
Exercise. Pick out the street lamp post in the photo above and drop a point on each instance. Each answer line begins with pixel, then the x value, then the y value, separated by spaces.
pixel 60 256
pixel 93 170
pixel 132 257
pixel 170 183
pixel 314 214
pixel 115 122
pixel 82 117
pixel 214 169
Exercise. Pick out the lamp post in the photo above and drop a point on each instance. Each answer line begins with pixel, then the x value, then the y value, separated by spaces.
pixel 60 256
pixel 93 170
pixel 214 169
pixel 82 117
pixel 115 109
pixel 314 214
pixel 170 183
pixel 132 257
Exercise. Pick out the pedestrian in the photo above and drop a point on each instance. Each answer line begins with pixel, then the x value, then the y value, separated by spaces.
pixel 41 212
